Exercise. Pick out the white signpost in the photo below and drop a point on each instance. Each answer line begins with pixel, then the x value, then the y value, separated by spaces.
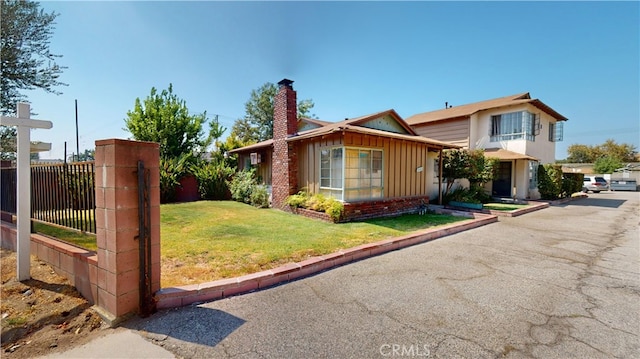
pixel 24 124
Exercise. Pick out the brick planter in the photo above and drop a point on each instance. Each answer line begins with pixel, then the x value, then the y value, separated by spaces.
pixel 312 214
pixel 382 208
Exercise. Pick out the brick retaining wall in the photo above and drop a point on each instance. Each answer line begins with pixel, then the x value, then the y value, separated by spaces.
pixel 382 208
pixel 78 265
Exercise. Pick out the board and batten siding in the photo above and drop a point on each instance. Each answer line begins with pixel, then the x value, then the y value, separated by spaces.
pixel 263 169
pixel 452 131
pixel 401 160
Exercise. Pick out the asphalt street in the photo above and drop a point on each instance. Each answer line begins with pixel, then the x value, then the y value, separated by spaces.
pixel 562 282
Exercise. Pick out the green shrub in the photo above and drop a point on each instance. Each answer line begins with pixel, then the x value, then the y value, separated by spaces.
pixel 334 209
pixel 298 200
pixel 212 179
pixel 572 183
pixel 245 188
pixel 475 194
pixel 550 181
pixel 317 202
pixel 241 186
pixel 259 196
pixel 171 171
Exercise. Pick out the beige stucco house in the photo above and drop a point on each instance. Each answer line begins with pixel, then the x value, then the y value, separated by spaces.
pixel 522 132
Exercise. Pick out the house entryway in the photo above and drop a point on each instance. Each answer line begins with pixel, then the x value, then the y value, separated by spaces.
pixel 502 180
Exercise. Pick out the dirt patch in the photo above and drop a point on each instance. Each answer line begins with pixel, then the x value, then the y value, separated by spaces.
pixel 44 314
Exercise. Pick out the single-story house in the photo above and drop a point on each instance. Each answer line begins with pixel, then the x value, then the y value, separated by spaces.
pixel 377 165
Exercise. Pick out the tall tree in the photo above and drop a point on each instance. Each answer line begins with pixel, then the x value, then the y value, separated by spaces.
pixel 27 62
pixel 257 124
pixel 164 118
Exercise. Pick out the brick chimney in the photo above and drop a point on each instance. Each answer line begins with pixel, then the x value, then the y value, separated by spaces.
pixel 284 170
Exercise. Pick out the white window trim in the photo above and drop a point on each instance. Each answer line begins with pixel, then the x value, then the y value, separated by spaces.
pixel 344 155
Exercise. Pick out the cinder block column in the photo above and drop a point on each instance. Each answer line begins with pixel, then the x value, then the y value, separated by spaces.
pixel 117 225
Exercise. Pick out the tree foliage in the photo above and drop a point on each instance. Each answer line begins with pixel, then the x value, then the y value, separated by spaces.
pixel 164 118
pixel 27 62
pixel 607 164
pixel 623 152
pixel 87 155
pixel 257 124
pixel 469 164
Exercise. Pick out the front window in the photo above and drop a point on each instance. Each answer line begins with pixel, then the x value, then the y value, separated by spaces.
pixel 356 176
pixel 514 126
pixel 331 172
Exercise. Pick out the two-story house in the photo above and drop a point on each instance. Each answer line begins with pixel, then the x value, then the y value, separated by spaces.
pixel 520 131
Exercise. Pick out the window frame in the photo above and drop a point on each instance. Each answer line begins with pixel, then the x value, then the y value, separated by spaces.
pixel 556 131
pixel 525 126
pixel 344 192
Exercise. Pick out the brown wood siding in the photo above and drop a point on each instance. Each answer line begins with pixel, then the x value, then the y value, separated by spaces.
pixel 400 162
pixel 452 131
pixel 263 169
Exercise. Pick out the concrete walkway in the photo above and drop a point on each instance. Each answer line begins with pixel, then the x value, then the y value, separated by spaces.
pixel 563 282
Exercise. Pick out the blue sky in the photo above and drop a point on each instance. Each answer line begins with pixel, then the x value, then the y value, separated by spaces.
pixel 350 58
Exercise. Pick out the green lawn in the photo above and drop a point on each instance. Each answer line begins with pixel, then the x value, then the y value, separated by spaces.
pixel 208 240
pixel 504 206
pixel 204 241
pixel 84 240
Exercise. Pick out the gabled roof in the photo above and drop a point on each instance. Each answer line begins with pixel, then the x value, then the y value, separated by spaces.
pixel 362 120
pixel 355 125
pixel 467 110
pixel 346 127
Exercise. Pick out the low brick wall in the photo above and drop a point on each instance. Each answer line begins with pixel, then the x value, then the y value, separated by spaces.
pixel 515 213
pixel 79 266
pixel 382 208
pixel 185 295
pixel 369 209
pixel 311 214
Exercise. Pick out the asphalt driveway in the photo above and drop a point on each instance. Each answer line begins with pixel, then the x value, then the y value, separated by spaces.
pixel 563 282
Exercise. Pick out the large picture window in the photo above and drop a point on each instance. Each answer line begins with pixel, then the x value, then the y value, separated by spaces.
pixel 351 173
pixel 514 126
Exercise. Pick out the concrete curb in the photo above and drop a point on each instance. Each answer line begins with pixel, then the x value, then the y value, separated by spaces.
pixel 514 213
pixel 184 295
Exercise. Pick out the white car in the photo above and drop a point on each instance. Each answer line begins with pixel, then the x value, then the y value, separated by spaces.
pixel 595 184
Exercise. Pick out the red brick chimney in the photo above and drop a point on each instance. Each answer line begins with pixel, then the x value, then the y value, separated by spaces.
pixel 284 170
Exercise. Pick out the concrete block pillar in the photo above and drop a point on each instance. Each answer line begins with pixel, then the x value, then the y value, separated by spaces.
pixel 117 225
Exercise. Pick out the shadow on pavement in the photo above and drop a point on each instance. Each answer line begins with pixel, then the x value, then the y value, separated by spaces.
pixel 193 324
pixel 597 200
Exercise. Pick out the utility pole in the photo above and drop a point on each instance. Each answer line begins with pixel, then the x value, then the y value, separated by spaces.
pixel 77 138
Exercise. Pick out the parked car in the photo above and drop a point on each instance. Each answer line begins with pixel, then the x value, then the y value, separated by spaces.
pixel 595 184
